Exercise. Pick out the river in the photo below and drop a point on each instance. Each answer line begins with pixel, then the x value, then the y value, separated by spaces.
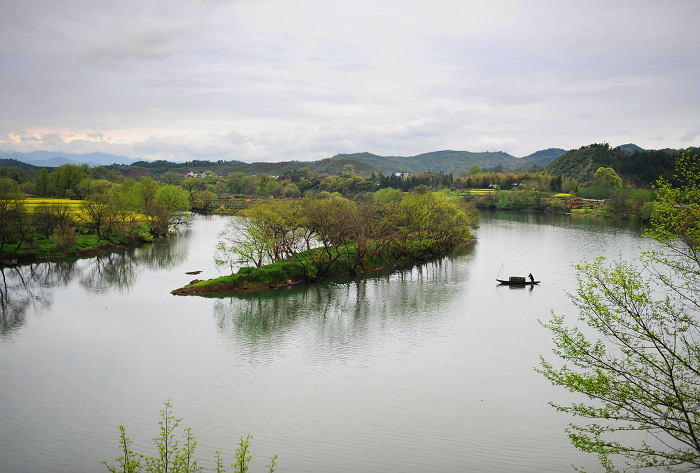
pixel 425 369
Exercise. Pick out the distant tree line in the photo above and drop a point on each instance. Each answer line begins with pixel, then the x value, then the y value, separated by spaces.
pixel 113 199
pixel 122 211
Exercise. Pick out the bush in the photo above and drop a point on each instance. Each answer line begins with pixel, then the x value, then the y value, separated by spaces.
pixel 65 237
pixel 176 455
pixel 281 271
pixel 645 212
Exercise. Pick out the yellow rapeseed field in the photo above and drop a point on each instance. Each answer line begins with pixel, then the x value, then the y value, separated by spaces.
pixel 74 206
pixel 32 203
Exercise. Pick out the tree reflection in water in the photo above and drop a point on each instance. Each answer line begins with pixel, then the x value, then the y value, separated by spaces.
pixel 342 310
pixel 31 286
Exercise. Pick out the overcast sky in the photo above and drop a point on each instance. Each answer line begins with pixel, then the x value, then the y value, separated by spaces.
pixel 274 80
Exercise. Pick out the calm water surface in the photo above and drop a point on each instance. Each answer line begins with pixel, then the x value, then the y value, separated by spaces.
pixel 426 369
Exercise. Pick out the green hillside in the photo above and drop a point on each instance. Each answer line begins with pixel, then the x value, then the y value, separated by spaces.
pixel 543 157
pixel 13 163
pixel 451 162
pixel 222 168
pixel 633 164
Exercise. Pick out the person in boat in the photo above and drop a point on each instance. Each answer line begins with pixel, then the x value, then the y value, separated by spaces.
pixel 532 279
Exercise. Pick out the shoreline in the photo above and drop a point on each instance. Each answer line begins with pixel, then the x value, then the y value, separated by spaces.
pixel 239 283
pixel 9 260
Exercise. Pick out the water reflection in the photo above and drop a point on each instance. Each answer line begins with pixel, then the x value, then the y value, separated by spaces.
pixel 341 308
pixel 33 285
pixel 115 270
pixel 165 253
pixel 422 363
pixel 589 222
pixel 30 286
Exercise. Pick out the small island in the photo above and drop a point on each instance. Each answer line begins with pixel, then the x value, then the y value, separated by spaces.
pixel 283 242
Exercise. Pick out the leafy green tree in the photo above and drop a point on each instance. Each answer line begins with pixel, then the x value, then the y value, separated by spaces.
pixel 11 210
pixel 11 172
pixel 23 225
pixel 606 178
pixel 205 200
pixel 238 183
pixel 618 202
pixel 676 218
pixel 95 187
pixel 266 232
pixel 220 188
pixel 193 185
pixel 169 209
pixel 271 188
pixel 171 177
pixel 147 189
pixel 67 178
pixel 42 183
pixel 281 221
pixel 474 169
pixel 556 183
pixel 636 356
pixel 334 223
pixel 48 217
pixel 98 216
pixel 126 196
pixel 354 184
pixel 348 170
pixel 435 219
pixel 388 194
pixel 291 191
pixel 241 243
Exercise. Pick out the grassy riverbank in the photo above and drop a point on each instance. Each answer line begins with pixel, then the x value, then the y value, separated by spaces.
pixel 281 242
pixel 45 250
pixel 304 268
pixel 51 229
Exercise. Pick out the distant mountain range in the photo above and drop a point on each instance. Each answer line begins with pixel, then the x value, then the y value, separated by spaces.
pixel 631 162
pixel 54 158
pixel 454 162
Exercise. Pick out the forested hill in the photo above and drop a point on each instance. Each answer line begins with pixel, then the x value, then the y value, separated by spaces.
pixel 447 162
pixel 222 168
pixel 633 164
pixel 452 162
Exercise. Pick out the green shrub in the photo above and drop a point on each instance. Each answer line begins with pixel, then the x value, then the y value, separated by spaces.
pixel 177 455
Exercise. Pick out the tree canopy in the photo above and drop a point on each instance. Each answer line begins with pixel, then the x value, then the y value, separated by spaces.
pixel 637 359
pixel 339 235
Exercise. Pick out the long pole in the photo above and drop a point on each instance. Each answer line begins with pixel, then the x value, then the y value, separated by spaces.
pixel 499 271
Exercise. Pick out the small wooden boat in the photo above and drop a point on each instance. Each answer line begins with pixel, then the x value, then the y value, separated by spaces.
pixel 517 281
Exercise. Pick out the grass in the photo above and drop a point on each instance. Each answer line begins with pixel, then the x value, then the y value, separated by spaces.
pixel 587 211
pixel 86 244
pixel 46 247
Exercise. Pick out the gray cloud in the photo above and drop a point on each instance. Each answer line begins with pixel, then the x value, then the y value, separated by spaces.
pixel 272 80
